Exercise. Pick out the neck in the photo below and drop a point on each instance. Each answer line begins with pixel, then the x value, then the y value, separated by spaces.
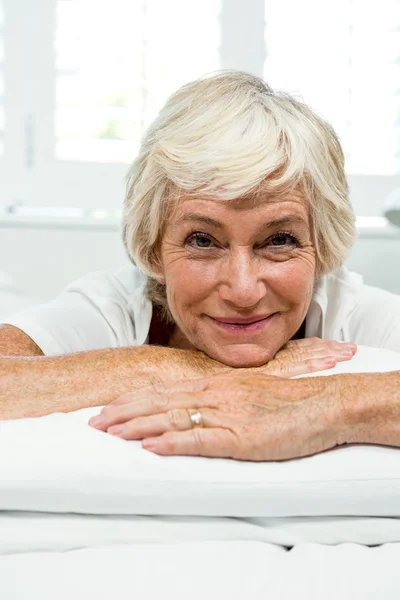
pixel 166 334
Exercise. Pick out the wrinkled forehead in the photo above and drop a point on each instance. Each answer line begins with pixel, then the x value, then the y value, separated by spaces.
pixel 263 206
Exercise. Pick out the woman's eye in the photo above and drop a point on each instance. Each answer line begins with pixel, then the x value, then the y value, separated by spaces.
pixel 284 239
pixel 200 240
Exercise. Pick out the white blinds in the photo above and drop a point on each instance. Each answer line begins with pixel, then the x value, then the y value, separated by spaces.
pixel 116 63
pixel 343 58
pixel 1 80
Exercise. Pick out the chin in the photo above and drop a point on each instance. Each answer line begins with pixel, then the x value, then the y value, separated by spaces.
pixel 243 356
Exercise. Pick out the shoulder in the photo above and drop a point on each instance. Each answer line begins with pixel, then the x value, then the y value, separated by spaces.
pixel 103 309
pixel 347 285
pixel 365 314
pixel 121 283
pixel 345 308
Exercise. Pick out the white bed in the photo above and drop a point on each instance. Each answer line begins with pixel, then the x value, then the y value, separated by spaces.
pixel 87 515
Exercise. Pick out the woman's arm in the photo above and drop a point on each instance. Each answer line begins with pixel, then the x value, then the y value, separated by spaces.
pixel 33 385
pixel 251 416
pixel 370 404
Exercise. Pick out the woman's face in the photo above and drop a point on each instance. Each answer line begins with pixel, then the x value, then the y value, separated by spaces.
pixel 239 275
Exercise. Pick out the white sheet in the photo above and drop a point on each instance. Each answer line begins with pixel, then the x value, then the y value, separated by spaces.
pixel 212 570
pixel 51 532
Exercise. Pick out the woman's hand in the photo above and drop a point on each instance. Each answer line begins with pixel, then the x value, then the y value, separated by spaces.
pixel 247 417
pixel 300 357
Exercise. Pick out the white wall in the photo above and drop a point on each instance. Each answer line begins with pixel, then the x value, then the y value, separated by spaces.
pixel 378 260
pixel 42 259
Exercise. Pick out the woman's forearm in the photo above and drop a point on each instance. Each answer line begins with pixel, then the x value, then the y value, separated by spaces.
pixel 36 386
pixel 371 407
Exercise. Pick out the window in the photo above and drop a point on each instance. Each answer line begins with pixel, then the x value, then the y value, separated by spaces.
pixel 110 84
pixel 1 80
pixel 343 58
pixel 85 80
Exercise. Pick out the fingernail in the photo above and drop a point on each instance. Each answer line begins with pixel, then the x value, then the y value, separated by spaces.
pixel 96 421
pixel 117 430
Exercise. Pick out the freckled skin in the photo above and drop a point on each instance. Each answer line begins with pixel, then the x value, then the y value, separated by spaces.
pixel 249 268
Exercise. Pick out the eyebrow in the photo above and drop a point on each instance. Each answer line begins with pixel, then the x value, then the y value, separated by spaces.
pixel 288 220
pixel 200 219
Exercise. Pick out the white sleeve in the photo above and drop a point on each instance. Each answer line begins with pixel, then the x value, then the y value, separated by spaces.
pixel 97 311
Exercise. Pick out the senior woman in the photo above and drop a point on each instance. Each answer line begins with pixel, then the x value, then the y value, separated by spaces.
pixel 238 221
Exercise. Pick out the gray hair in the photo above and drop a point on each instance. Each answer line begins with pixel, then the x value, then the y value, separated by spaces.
pixel 226 136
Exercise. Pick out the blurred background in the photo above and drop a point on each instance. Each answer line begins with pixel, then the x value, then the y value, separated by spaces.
pixel 80 80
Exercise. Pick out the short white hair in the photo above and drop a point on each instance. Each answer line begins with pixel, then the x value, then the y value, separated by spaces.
pixel 227 136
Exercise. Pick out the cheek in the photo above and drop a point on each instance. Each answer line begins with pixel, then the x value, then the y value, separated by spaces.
pixel 188 282
pixel 294 281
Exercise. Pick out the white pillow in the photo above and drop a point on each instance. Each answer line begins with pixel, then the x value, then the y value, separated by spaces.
pixel 58 463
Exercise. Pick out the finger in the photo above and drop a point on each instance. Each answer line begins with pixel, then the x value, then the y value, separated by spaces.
pixel 303 343
pixel 332 344
pixel 149 404
pixel 302 367
pixel 177 419
pixel 317 343
pixel 211 442
pixel 320 354
pixel 340 351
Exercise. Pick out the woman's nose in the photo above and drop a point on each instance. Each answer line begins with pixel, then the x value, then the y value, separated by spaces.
pixel 242 283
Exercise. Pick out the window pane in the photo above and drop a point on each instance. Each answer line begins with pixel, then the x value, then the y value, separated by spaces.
pixel 343 58
pixel 1 79
pixel 116 64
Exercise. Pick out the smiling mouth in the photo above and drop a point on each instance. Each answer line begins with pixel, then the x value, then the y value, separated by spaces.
pixel 242 325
